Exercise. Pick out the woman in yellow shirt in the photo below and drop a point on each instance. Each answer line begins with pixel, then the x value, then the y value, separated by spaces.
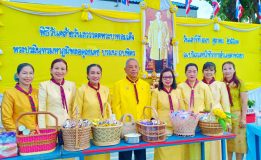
pixel 56 96
pixel 220 100
pixel 166 99
pixel 197 97
pixel 238 102
pixel 90 101
pixel 20 99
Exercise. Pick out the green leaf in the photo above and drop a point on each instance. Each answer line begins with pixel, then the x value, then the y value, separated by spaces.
pixel 222 123
pixel 227 119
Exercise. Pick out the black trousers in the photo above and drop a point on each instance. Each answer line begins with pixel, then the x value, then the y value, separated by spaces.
pixel 60 137
pixel 138 154
pixel 158 66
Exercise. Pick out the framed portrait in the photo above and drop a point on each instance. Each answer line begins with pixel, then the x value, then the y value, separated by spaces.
pixel 158 28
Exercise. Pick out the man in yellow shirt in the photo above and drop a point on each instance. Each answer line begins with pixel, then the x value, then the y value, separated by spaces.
pixel 130 95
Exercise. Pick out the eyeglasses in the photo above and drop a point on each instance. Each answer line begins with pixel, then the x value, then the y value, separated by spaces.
pixel 167 77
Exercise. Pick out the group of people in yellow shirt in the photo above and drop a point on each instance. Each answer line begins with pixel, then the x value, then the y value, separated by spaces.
pixel 130 95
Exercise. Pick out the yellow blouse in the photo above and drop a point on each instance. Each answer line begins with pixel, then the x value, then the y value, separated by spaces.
pixel 160 101
pixel 235 94
pixel 202 96
pixel 220 95
pixel 87 103
pixel 14 103
pixel 50 101
pixel 124 99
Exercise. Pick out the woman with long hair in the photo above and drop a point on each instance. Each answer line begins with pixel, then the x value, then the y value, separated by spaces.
pixel 238 101
pixel 220 100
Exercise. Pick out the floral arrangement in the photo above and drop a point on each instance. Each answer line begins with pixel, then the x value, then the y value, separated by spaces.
pixel 250 109
pixel 222 117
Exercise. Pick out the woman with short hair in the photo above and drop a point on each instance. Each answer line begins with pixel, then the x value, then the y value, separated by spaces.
pixel 198 98
pixel 167 99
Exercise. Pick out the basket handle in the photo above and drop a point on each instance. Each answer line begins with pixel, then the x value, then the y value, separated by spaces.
pixel 123 118
pixel 153 110
pixel 107 105
pixel 36 113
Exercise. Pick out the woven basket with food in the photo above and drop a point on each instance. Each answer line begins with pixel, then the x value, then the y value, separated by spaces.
pixel 184 122
pixel 152 130
pixel 215 122
pixel 106 132
pixel 76 134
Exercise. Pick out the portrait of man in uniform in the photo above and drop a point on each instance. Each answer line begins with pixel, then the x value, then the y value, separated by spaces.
pixel 158 32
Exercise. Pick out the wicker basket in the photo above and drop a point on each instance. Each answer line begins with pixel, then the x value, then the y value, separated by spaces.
pixel 152 133
pixel 76 139
pixel 128 127
pixel 106 136
pixel 184 126
pixel 44 142
pixel 211 128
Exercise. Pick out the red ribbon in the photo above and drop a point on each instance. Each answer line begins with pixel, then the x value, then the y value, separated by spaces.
pixel 98 95
pixel 191 103
pixel 170 99
pixel 28 94
pixel 228 90
pixel 210 82
pixel 135 88
pixel 63 97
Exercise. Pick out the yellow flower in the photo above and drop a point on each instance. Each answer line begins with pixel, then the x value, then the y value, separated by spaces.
pixel 219 113
pixel 223 116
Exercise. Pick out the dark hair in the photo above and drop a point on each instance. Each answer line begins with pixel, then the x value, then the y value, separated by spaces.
pixel 209 65
pixel 189 65
pixel 59 60
pixel 93 65
pixel 19 69
pixel 173 85
pixel 22 65
pixel 235 78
